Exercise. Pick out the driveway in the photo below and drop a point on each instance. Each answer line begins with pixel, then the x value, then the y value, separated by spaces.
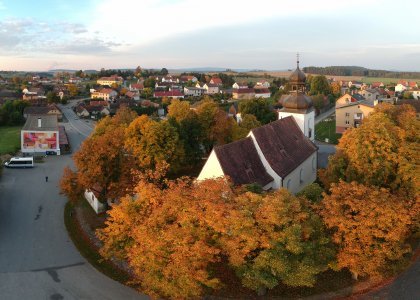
pixel 37 258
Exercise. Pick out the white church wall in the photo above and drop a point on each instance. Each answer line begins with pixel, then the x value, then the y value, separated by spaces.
pixel 306 122
pixel 295 182
pixel 211 169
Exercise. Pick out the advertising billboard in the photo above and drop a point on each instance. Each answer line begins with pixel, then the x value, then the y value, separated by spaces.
pixel 40 141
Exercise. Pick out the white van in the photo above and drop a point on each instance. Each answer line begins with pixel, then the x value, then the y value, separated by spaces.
pixel 20 162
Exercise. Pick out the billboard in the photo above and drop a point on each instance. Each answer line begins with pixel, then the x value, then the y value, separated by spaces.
pixel 39 141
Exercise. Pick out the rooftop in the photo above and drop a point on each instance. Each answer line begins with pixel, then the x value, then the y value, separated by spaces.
pixel 48 123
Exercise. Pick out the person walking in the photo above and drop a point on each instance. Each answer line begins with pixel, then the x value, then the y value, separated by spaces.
pixel 46 178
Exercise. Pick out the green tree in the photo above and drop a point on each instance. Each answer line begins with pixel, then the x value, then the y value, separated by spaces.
pixel 320 85
pixel 52 97
pixel 164 71
pixel 242 129
pixel 258 107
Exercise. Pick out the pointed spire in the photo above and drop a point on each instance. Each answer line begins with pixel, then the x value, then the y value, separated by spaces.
pixel 297 59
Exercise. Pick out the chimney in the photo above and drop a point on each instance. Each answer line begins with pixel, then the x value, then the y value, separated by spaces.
pixel 39 122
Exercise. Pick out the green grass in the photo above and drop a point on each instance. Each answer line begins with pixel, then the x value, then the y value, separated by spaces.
pixel 86 248
pixel 384 80
pixel 9 139
pixel 326 129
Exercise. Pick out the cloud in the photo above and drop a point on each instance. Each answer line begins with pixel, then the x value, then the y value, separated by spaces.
pixel 147 21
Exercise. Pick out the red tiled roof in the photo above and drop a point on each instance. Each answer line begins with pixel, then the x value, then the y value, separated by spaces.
pixel 98 103
pixel 240 161
pixel 243 91
pixel 283 145
pixel 262 91
pixel 412 84
pixel 216 80
pixel 174 93
pixel 106 91
pixel 138 86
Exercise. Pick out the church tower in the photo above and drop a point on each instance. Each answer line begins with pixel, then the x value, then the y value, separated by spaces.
pixel 298 104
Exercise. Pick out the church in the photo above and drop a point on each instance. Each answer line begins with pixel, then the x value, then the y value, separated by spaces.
pixel 280 154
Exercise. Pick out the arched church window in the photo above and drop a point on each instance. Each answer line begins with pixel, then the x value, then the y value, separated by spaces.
pixel 301 176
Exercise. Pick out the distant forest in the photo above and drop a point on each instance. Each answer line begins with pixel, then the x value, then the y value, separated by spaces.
pixel 360 71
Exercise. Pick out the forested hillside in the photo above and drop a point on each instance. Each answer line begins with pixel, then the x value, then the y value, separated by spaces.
pixel 359 71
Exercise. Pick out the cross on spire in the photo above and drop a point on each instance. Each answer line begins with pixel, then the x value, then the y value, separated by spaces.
pixel 297 59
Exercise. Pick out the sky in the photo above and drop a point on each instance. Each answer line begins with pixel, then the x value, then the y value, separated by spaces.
pixel 265 34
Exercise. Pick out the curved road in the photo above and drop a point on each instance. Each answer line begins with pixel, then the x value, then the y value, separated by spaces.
pixel 37 258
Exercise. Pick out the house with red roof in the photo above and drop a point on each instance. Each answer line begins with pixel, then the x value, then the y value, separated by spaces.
pixel 105 94
pixel 174 94
pixel 247 93
pixel 216 80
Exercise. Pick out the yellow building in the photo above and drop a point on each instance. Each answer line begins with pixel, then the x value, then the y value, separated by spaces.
pixel 109 81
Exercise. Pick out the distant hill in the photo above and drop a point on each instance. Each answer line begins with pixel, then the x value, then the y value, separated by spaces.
pixel 360 71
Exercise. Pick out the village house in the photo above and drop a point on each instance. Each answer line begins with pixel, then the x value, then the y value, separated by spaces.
pixel 279 154
pixel 132 95
pixel 194 91
pixel 216 80
pixel 416 94
pixel 105 94
pixel 262 93
pixel 377 85
pixel 210 89
pixel 136 87
pixel 243 93
pixel 240 85
pixel 175 94
pixel 82 112
pixel 51 109
pixel 370 94
pixel 186 78
pixel 109 81
pixel 350 112
pixel 399 88
pixel 263 83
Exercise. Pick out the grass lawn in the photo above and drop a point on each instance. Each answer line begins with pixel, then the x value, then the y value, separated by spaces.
pixel 85 246
pixel 9 139
pixel 326 129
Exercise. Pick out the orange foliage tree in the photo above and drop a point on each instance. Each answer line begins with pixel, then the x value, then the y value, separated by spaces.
pixel 172 236
pixel 369 226
pixel 383 152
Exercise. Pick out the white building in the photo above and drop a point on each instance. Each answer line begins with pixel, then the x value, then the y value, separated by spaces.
pixel 193 91
pixel 40 135
pixel 400 88
pixel 279 154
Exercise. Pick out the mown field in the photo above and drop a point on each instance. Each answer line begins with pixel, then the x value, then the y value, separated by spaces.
pixel 9 139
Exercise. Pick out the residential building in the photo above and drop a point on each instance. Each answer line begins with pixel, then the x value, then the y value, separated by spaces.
pixel 263 83
pixel 194 91
pixel 51 109
pixel 105 94
pixel 401 88
pixel 216 80
pixel 136 87
pixel 243 93
pixel 416 94
pixel 40 135
pixel 377 85
pixel 262 93
pixel 175 94
pixel 109 81
pixel 132 95
pixel 210 89
pixel 240 85
pixel 352 114
pixel 370 94
pixel 186 78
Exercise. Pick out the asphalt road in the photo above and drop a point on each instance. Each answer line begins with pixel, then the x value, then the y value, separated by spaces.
pixel 37 258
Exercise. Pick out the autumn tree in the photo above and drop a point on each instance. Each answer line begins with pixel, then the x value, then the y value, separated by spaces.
pixel 276 238
pixel 101 159
pixel 73 90
pixel 380 152
pixel 242 129
pixel 70 186
pixel 370 226
pixel 335 88
pixel 320 85
pixel 151 142
pixel 217 127
pixel 166 238
pixel 189 129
